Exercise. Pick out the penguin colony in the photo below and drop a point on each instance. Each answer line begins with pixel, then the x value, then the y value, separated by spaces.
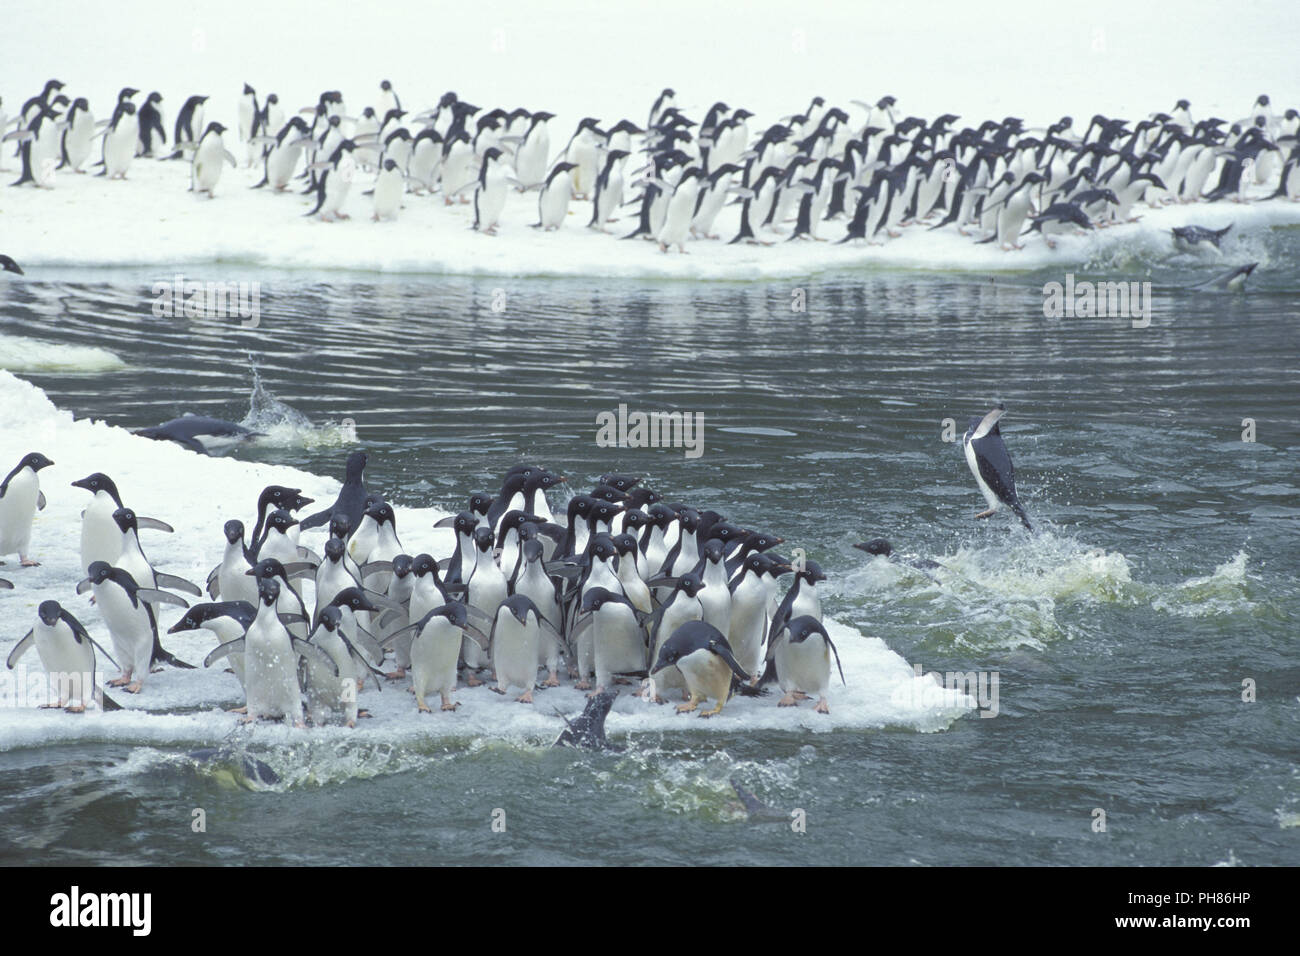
pixel 621 587
pixel 858 175
pixel 626 586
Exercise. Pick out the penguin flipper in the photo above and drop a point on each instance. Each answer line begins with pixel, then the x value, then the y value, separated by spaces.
pixel 40 501
pixel 156 596
pixel 178 584
pixel 222 650
pixel 307 650
pixel 21 648
pixel 723 650
pixel 153 524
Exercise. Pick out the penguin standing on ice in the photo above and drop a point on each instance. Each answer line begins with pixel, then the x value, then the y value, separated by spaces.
pixel 68 654
pixel 78 136
pixel 802 653
pixel 209 158
pixel 20 498
pixel 990 463
pixel 700 653
pixel 490 196
pixel 553 203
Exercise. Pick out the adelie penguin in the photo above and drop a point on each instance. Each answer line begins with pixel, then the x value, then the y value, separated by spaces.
pixel 210 157
pixel 67 653
pixel 20 498
pixel 200 434
pixel 801 652
pixel 1194 238
pixel 490 194
pixel 700 653
pixel 990 463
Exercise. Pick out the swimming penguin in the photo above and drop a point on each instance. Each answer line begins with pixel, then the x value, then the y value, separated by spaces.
pixel 127 610
pixel 390 185
pixel 119 140
pixel 228 620
pixel 516 640
pixel 702 656
pixel 553 203
pixel 801 652
pixel 20 498
pixel 8 265
pixel 78 136
pixel 1193 238
pixel 587 730
pixel 490 195
pixel 335 181
pixel 151 124
pixel 67 653
pixel 101 537
pixel 210 157
pixel 1234 280
pixel 990 463
pixel 200 434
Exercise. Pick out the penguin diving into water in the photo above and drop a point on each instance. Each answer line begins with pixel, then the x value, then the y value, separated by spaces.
pixel 990 463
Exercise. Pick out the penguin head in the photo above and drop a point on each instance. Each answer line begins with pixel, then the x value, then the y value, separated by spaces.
pixel 335 549
pixel 580 506
pixel 660 515
pixel 621 482
pixel 248 90
pixel 607 493
pixel 726 533
pixel 689 518
pixel 290 499
pixel 480 502
pixel 533 550
pixel 353 599
pixel 35 461
pixel 635 520
pixel 491 155
pixel 1263 100
pixel 382 513
pixel 625 543
pixel 603 511
pixel 281 521
pixel 756 563
pixel 691 583
pixel 812 572
pixel 402 565
pixel 390 165
pixel 268 591
pixel 273 98
pixel 340 526
pixel 519 606
pixel 775 565
pixel 424 564
pixel 483 539
pixel 330 618
pixel 267 568
pixel 877 546
pixel 125 519
pixel 99 482
pixel 126 93
pixel 465 523
pixel 761 540
pixel 713 551
pixel 49 612
pixel 602 548
pixel 99 572
pixel 215 127
pixel 386 86
pixel 233 530
pixel 596 598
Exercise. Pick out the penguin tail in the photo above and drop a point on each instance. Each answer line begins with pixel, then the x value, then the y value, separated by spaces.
pixel 745 689
pixel 107 703
pixel 1020 513
pixel 769 673
pixel 161 654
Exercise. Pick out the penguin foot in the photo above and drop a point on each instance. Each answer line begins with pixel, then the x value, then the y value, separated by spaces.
pixel 397 674
pixel 120 681
pixel 448 705
pixel 422 707
pixel 714 711
pixel 987 514
pixel 472 681
pixel 582 685
pixel 50 706
pixel 789 700
pixel 551 680
pixel 29 563
pixel 822 707
pixel 79 709
pixel 134 687
pixel 800 695
pixel 687 707
pixel 525 698
pixel 364 713
pixel 499 690
pixel 238 710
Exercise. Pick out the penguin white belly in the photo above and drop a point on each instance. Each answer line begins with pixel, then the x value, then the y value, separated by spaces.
pixel 487 589
pixel 805 666
pixel 281 164
pixel 423 170
pixel 101 538
pixel 79 139
pixel 515 649
pixel 333 690
pixel 716 601
pixel 705 674
pixel 530 161
pixel 208 160
pixel 611 197
pixel 270 671
pixel 748 617
pixel 129 628
pixel 70 665
pixel 119 148
pixel 553 205
pixel 985 490
pixel 618 646
pixel 434 654
pixel 1011 219
pixel 489 201
pixel 17 510
pixel 584 153
pixel 389 188
pixel 677 614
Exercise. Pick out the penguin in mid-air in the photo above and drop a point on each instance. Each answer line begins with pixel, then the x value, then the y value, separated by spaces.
pixel 703 657
pixel 67 652
pixel 20 498
pixel 1193 238
pixel 990 463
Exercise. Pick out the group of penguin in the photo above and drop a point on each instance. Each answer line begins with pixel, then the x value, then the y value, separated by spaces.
pixel 626 587
pixel 873 172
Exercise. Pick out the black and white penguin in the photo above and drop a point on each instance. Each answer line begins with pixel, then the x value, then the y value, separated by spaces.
pixel 227 620
pixel 435 650
pixel 189 125
pixel 67 653
pixel 8 265
pixel 553 203
pixel 101 537
pixel 990 463
pixel 534 150
pixel 20 498
pixel 78 136
pixel 151 125
pixel 210 156
pixel 1195 238
pixel 336 175
pixel 801 652
pixel 703 658
pixel 128 612
pixel 200 434
pixel 618 637
pixel 516 640
pixel 120 140
pixel 490 194
pixel 609 190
